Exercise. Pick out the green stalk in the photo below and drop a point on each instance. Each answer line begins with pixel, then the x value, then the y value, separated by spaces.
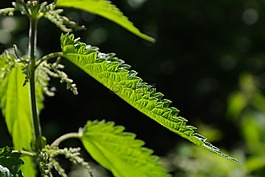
pixel 65 137
pixel 32 49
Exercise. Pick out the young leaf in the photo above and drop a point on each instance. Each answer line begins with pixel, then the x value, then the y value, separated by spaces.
pixel 10 163
pixel 115 75
pixel 119 151
pixel 105 9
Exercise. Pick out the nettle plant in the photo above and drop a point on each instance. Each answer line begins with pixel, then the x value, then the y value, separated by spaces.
pixel 24 80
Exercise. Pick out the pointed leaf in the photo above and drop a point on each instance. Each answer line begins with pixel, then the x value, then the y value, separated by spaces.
pixel 115 75
pixel 105 9
pixel 119 151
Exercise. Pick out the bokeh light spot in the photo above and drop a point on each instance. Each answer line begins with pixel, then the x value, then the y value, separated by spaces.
pixel 9 23
pixel 97 36
pixel 135 3
pixel 250 16
pixel 5 36
pixel 167 67
pixel 228 62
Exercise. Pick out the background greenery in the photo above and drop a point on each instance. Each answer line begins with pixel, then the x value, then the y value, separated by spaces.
pixel 208 59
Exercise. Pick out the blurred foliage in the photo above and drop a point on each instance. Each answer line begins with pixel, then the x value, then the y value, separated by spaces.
pixel 201 50
pixel 246 111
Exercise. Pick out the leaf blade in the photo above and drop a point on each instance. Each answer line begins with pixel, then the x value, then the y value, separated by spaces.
pixel 15 106
pixel 115 75
pixel 107 10
pixel 119 151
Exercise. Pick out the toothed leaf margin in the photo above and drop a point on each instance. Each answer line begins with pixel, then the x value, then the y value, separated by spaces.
pixel 113 73
pixel 119 151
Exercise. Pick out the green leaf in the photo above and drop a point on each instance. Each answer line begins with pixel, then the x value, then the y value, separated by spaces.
pixel 115 75
pixel 105 9
pixel 255 163
pixel 236 104
pixel 15 105
pixel 119 151
pixel 10 163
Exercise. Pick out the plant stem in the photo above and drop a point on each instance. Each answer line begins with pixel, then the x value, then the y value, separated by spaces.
pixel 32 49
pixel 48 57
pixel 65 137
pixel 26 153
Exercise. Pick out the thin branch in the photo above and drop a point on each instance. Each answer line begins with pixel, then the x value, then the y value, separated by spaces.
pixel 27 153
pixel 48 57
pixel 65 137
pixel 32 48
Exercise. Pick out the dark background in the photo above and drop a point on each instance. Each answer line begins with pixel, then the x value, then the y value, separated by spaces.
pixel 201 49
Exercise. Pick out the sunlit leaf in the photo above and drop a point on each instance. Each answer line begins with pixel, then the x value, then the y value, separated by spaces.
pixel 105 9
pixel 119 151
pixel 113 73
